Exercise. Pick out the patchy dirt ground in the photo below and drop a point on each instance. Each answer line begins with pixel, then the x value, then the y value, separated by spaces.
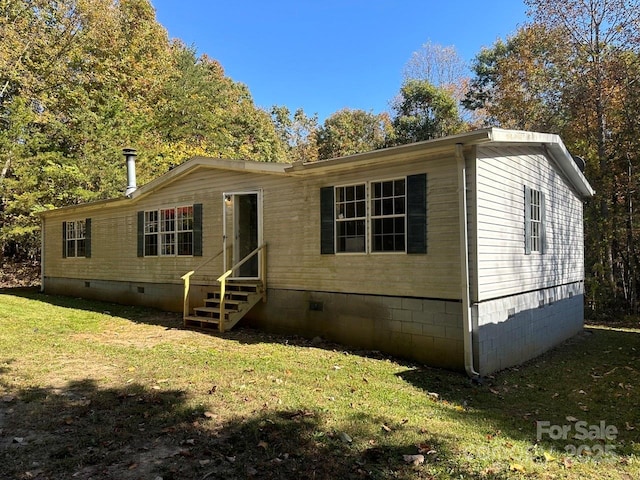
pixel 22 274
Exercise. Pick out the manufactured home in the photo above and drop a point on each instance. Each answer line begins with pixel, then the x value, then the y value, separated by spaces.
pixel 464 252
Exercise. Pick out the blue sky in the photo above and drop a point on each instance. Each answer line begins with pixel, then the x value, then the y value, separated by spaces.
pixel 326 55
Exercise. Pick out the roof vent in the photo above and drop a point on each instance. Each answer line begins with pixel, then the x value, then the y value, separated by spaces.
pixel 579 162
pixel 130 156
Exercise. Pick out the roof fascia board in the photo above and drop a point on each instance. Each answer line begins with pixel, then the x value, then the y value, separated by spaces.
pixel 555 148
pixel 173 175
pixel 412 150
pixel 209 163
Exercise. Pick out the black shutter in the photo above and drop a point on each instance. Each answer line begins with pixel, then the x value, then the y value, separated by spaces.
pixel 417 213
pixel 327 209
pixel 141 234
pixel 197 230
pixel 87 237
pixel 543 226
pixel 64 239
pixel 527 220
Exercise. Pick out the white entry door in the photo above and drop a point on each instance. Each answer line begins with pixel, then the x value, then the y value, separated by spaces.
pixel 242 233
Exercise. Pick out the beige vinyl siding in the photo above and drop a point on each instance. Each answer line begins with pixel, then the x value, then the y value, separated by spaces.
pixel 295 261
pixel 503 268
pixel 291 228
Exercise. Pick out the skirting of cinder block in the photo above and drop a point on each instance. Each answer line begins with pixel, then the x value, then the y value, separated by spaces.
pixel 163 296
pixel 511 330
pixel 425 330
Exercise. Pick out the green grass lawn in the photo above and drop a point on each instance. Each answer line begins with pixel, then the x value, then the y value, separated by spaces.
pixel 100 391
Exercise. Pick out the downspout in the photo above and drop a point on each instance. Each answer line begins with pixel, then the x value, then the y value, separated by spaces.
pixel 467 318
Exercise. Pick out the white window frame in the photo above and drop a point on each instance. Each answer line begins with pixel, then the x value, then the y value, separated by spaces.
pixel 168 225
pixel 368 218
pixel 535 220
pixel 75 234
pixel 341 218
pixel 382 216
pixel 535 240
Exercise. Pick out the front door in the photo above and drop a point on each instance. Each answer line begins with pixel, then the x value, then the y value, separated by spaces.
pixel 242 222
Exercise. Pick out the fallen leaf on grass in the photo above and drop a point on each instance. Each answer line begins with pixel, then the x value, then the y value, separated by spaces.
pixel 629 427
pixel 385 428
pixel 516 467
pixel 263 444
pixel 548 457
pixel 425 448
pixel 345 437
pixel 413 459
pixel 210 415
pixel 571 419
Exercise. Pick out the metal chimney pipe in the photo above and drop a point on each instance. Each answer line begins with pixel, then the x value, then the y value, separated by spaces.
pixel 130 156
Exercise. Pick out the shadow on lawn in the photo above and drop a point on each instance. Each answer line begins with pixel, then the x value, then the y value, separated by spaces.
pixel 135 314
pixel 82 431
pixel 591 378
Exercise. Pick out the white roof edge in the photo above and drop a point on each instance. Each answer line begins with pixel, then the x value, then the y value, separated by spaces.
pixel 210 162
pixel 177 172
pixel 552 142
pixel 555 147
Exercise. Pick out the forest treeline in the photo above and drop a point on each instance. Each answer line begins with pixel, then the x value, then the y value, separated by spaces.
pixel 81 79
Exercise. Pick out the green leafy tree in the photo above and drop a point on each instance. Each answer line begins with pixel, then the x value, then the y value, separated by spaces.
pixel 80 80
pixel 297 132
pixel 424 112
pixel 599 32
pixel 352 131
pixel 519 83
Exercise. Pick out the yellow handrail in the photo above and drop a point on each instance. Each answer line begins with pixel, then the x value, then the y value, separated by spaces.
pixel 185 305
pixel 186 278
pixel 223 279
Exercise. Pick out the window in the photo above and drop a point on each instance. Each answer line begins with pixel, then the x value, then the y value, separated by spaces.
pixel 151 233
pixel 388 207
pixel 184 228
pixel 534 221
pixel 382 216
pixel 351 217
pixel 170 231
pixel 76 238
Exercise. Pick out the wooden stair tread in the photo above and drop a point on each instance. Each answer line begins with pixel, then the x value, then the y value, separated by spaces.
pixel 239 298
pixel 227 301
pixel 195 318
pixel 208 309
